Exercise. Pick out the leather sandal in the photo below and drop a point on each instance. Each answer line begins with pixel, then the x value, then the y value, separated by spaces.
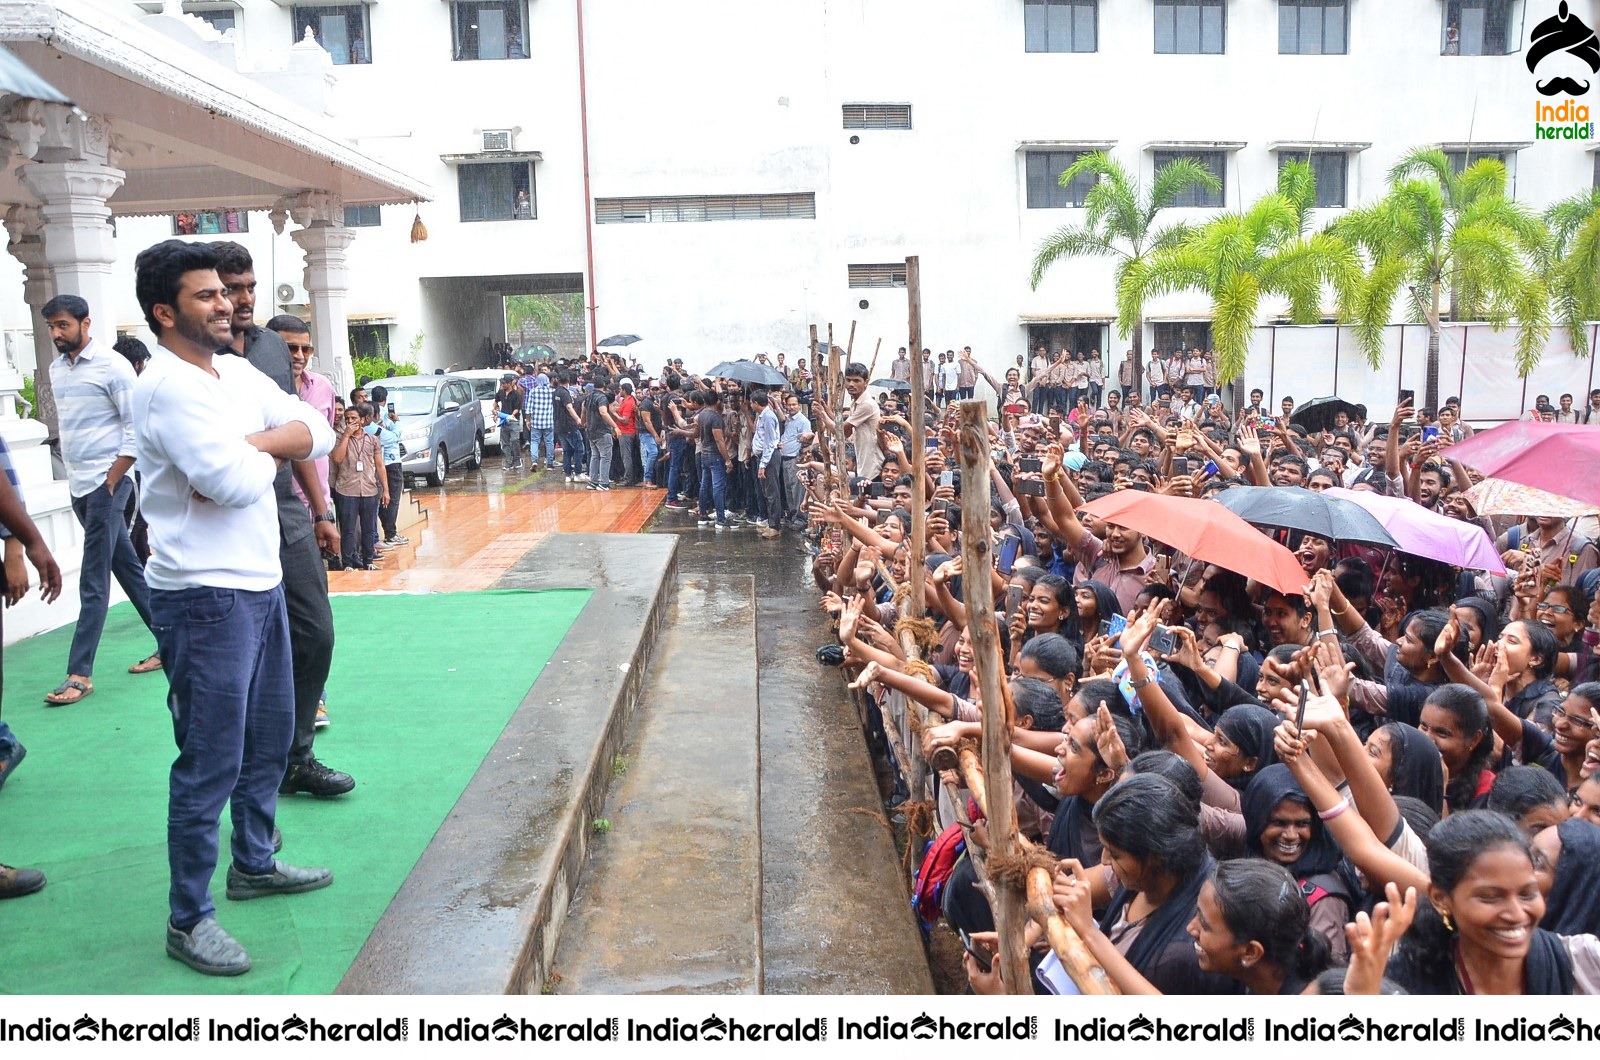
pixel 63 697
pixel 146 666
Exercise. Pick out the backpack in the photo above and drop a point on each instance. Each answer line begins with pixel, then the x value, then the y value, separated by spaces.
pixel 938 861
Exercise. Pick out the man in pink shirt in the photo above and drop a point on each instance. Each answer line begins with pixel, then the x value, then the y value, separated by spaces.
pixel 315 390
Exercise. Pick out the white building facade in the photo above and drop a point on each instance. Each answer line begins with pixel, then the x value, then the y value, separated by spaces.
pixel 722 174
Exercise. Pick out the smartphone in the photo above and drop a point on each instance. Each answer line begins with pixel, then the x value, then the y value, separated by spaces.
pixel 1163 642
pixel 1029 463
pixel 1030 487
pixel 1105 628
pixel 1268 423
pixel 1300 714
pixel 1118 624
pixel 1210 470
pixel 978 954
pixel 1013 601
pixel 1430 434
pixel 947 477
pixel 1180 465
pixel 391 408
pixel 875 490
pixel 1405 396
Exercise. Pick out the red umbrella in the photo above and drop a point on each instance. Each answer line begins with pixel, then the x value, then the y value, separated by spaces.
pixel 1206 531
pixel 1561 458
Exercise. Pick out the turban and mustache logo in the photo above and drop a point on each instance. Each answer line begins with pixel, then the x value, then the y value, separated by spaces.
pixel 1563 33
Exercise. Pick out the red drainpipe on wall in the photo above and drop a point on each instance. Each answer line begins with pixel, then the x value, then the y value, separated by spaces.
pixel 588 201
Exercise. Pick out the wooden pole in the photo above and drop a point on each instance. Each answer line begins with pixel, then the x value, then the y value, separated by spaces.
pixel 977 552
pixel 816 395
pixel 916 567
pixel 836 409
pixel 872 369
pixel 850 344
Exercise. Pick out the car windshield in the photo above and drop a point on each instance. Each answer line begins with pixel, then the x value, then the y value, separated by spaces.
pixel 412 400
pixel 484 388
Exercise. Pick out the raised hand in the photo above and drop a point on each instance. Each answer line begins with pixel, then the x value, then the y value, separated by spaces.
pixel 1249 440
pixel 1074 896
pixel 1372 939
pixel 1108 741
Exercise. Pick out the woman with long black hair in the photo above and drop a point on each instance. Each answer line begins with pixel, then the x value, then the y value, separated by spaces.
pixel 1479 932
pixel 1151 839
pixel 1456 719
pixel 1252 924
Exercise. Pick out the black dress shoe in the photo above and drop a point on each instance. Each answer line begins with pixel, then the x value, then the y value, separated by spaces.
pixel 314 778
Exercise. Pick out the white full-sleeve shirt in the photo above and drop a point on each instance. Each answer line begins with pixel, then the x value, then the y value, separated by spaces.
pixel 208 494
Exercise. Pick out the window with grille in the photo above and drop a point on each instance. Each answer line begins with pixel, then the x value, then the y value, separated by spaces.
pixel 488 29
pixel 877 115
pixel 341 29
pixel 1044 169
pixel 1459 160
pixel 1313 27
pixel 1061 25
pixel 362 216
pixel 892 274
pixel 1215 161
pixel 1191 27
pixel 1330 168
pixel 1181 335
pixel 705 208
pixel 496 191
pixel 1477 27
pixel 210 222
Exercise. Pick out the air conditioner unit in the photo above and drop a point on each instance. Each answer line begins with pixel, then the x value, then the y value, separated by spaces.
pixel 291 294
pixel 497 139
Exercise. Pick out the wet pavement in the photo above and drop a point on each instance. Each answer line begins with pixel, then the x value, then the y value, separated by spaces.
pixel 833 915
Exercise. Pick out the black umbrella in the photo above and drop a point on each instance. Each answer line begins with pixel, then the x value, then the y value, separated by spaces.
pixel 618 340
pixel 1318 413
pixel 893 384
pixel 1293 508
pixel 752 372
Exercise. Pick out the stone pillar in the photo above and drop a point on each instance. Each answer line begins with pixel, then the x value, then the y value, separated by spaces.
pixel 73 174
pixel 25 228
pixel 327 280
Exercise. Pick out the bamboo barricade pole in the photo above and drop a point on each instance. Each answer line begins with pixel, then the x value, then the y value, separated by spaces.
pixel 836 410
pixel 816 395
pixel 872 369
pixel 1068 945
pixel 916 567
pixel 850 345
pixel 1009 901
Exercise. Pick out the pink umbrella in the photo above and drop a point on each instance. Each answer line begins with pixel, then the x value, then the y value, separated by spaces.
pixel 1428 534
pixel 1561 458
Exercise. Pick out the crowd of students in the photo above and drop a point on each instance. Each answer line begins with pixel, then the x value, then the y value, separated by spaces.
pixel 1383 782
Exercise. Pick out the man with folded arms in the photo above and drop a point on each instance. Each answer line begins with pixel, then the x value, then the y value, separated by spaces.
pixel 211 434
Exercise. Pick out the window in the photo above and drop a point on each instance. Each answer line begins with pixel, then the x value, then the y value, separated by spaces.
pixel 210 222
pixel 705 208
pixel 1216 161
pixel 488 29
pixel 341 30
pixel 496 191
pixel 1181 335
pixel 1060 25
pixel 369 340
pixel 1044 181
pixel 1477 27
pixel 890 275
pixel 1329 167
pixel 877 115
pixel 362 217
pixel 1191 27
pixel 1313 27
pixel 1459 160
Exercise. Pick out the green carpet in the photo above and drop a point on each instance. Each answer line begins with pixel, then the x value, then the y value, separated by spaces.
pixel 421 687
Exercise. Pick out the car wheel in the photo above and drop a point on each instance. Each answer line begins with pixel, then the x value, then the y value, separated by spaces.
pixel 441 464
pixel 476 460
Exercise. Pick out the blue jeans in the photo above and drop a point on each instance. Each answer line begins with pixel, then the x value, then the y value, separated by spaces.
pixel 678 450
pixel 231 695
pixel 713 485
pixel 107 551
pixel 572 455
pixel 649 450
pixel 542 440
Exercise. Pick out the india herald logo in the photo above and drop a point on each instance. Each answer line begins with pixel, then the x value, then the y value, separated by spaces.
pixel 1565 32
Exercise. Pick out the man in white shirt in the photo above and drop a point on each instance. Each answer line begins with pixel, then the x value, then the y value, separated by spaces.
pixel 211 434
pixel 92 383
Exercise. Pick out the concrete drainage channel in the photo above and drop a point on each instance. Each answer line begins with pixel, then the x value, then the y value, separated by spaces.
pixel 743 847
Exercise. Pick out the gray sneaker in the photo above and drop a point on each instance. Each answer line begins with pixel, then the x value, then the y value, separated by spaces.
pixel 207 949
pixel 283 879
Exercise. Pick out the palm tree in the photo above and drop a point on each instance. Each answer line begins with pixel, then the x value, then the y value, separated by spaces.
pixel 1573 265
pixel 1440 233
pixel 1240 258
pixel 1120 221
